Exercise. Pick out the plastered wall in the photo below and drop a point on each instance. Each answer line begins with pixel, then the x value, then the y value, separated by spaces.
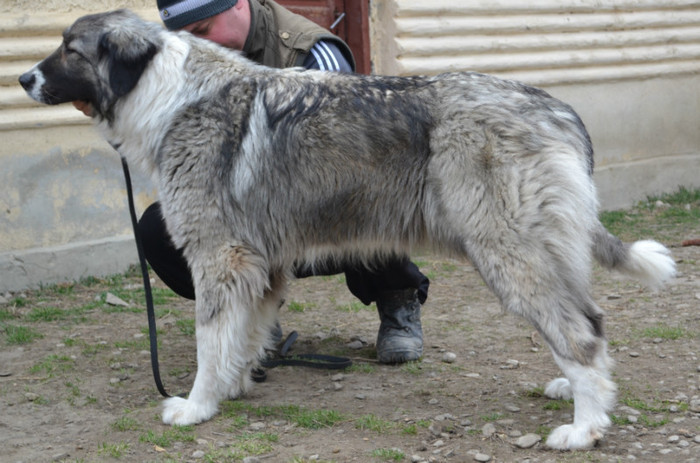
pixel 63 209
pixel 629 67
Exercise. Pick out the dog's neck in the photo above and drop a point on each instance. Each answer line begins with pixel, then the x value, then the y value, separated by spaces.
pixel 141 117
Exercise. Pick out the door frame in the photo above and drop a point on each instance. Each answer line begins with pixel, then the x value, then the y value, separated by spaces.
pixel 353 28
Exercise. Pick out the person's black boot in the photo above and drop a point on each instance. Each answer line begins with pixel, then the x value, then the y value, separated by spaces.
pixel 400 337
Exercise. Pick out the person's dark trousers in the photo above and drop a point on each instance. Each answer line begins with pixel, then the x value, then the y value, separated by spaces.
pixel 165 259
pixel 397 286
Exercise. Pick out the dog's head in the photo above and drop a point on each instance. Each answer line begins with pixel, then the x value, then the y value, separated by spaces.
pixel 100 60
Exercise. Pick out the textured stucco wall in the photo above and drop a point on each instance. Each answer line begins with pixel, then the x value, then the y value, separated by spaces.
pixel 32 7
pixel 631 68
pixel 63 207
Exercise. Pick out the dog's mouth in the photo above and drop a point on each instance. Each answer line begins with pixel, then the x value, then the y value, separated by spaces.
pixel 84 106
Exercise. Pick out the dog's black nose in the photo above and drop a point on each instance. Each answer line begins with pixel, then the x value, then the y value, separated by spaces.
pixel 27 80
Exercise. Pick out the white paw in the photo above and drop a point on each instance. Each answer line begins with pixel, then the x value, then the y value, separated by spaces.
pixel 559 388
pixel 182 412
pixel 572 437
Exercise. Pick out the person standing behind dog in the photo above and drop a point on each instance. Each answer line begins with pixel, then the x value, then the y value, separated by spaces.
pixel 271 35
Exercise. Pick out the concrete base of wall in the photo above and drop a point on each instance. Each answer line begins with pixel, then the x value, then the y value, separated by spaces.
pixel 34 268
pixel 623 185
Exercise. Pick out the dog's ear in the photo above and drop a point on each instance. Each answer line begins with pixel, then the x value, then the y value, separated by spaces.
pixel 127 55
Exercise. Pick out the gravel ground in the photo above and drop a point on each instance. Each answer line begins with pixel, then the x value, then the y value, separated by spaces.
pixel 76 384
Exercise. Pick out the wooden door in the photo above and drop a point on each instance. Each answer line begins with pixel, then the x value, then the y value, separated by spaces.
pixel 348 19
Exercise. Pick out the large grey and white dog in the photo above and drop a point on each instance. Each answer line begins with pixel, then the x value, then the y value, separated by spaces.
pixel 259 168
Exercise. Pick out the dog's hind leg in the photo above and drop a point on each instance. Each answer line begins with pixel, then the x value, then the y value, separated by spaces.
pixel 594 396
pixel 534 281
pixel 236 305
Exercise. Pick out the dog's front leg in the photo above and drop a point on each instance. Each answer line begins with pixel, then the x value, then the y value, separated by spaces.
pixel 221 366
pixel 234 317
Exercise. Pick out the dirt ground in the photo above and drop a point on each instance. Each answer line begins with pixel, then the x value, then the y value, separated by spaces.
pixel 78 387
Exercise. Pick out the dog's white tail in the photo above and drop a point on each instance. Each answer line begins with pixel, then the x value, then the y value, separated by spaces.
pixel 648 261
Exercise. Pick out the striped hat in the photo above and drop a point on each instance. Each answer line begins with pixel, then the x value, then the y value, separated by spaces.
pixel 177 14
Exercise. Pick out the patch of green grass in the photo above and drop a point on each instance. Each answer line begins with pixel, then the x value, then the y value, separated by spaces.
pixel 361 368
pixel 179 371
pixel 300 307
pixel 256 443
pixel 423 423
pixel 186 326
pixel 161 296
pixel 126 423
pixel 664 332
pixel 679 198
pixel 302 416
pixel 680 211
pixel 165 311
pixel 448 267
pixel 145 330
pixel 414 367
pixel 17 334
pixel 88 349
pixel 543 431
pixel 619 222
pixel 73 388
pixel 388 454
pixel 54 364
pixel 113 450
pixel 618 342
pixel 230 408
pixel 312 419
pixel 558 405
pixel 60 289
pixel 46 314
pixel 534 392
pixel 639 404
pixel 492 417
pixel 412 429
pixel 355 307
pixel 19 302
pixel 660 409
pixel 372 422
pixel 41 400
pixel 137 344
pixel 248 444
pixel 619 420
pixel 51 314
pixel 93 349
pixel 74 394
pixel 238 421
pixel 90 281
pixel 649 422
pixel 169 436
pixel 5 315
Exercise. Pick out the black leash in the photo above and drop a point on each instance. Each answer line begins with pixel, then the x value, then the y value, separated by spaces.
pixel 146 284
pixel 281 357
pixel 325 362
pixel 278 358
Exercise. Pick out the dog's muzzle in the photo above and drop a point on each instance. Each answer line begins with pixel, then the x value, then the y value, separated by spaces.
pixel 31 81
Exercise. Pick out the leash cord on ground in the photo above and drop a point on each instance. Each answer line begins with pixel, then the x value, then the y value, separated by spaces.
pixel 146 284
